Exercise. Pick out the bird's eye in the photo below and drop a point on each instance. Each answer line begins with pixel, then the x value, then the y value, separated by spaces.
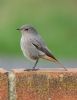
pixel 26 29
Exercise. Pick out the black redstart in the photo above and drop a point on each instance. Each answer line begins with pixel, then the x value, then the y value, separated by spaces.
pixel 33 46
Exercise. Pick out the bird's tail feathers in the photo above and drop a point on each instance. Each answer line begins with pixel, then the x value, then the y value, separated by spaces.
pixel 53 60
pixel 48 58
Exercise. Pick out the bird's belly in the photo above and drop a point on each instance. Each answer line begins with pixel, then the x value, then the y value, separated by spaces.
pixel 29 50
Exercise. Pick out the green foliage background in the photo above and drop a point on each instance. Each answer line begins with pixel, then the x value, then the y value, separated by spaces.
pixel 56 21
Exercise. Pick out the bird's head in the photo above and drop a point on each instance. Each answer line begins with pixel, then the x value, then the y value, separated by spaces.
pixel 27 29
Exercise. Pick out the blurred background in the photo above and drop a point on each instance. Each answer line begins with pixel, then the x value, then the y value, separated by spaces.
pixel 56 21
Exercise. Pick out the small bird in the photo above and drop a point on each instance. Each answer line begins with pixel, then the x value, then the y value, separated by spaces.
pixel 33 46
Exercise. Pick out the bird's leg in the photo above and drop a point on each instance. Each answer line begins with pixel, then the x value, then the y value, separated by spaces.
pixel 35 64
pixel 33 69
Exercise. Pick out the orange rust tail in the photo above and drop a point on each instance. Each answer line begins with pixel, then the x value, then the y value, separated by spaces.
pixel 53 60
pixel 48 58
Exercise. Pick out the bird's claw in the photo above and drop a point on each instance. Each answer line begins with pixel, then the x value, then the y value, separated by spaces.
pixel 31 69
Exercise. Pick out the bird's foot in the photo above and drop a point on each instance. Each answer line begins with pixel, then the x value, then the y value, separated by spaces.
pixel 33 69
pixel 65 69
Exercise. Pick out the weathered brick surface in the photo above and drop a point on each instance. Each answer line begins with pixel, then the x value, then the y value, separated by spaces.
pixel 46 84
pixel 3 85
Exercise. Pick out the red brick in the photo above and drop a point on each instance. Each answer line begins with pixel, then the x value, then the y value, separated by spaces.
pixel 49 84
pixel 3 85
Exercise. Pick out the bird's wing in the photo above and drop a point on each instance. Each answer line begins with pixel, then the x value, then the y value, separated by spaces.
pixel 42 48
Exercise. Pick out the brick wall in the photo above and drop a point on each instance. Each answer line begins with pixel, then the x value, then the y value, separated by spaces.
pixel 44 84
pixel 3 85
